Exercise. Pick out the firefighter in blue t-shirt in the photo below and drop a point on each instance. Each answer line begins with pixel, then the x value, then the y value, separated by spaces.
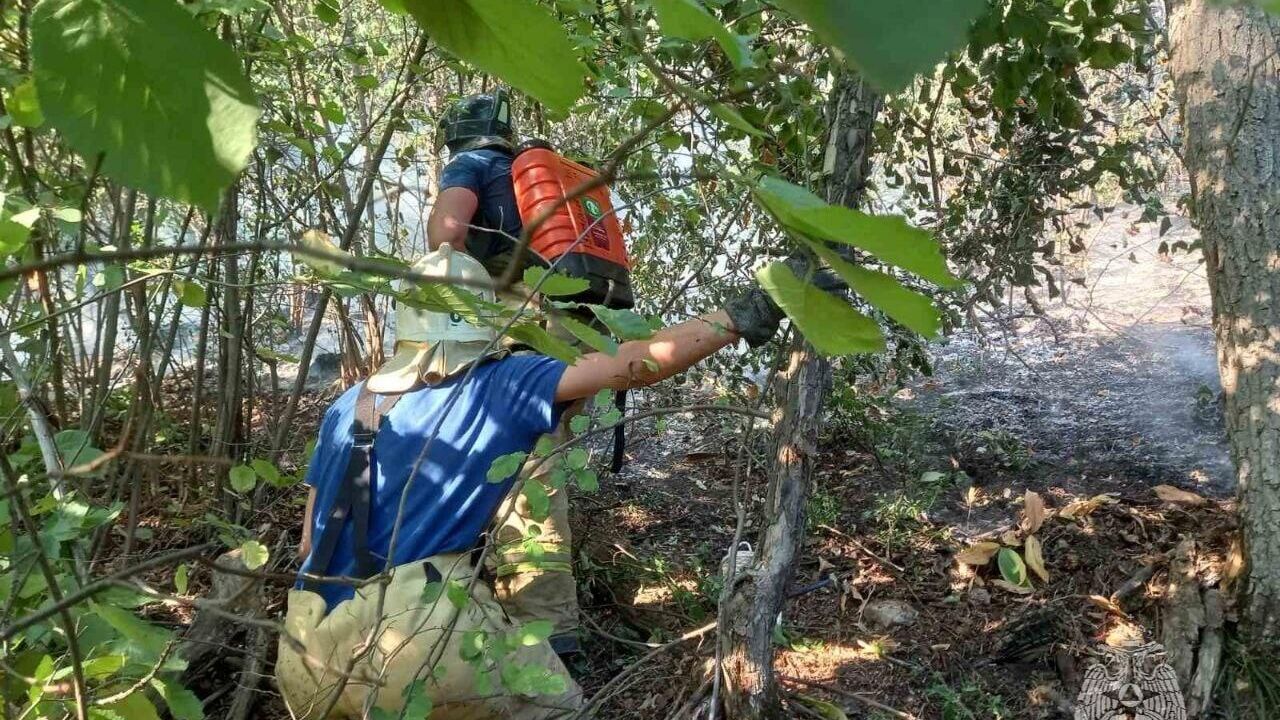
pixel 400 494
pixel 475 211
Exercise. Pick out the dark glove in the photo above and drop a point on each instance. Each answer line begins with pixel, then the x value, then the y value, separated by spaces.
pixel 756 316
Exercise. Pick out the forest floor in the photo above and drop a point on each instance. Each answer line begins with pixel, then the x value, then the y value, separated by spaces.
pixel 1111 392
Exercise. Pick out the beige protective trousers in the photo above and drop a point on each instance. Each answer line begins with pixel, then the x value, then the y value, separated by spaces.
pixel 404 633
pixel 533 559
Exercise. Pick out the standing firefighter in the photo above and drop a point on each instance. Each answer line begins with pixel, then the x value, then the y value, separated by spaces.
pixel 399 480
pixel 475 206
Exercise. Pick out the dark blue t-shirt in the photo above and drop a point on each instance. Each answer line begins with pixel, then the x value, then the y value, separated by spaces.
pixel 502 408
pixel 487 173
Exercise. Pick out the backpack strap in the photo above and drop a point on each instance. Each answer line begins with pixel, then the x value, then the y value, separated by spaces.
pixel 355 494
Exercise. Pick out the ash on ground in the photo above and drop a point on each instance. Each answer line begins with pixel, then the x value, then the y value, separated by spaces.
pixel 1117 377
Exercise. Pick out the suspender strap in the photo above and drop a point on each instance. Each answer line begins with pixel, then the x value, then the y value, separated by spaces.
pixel 355 494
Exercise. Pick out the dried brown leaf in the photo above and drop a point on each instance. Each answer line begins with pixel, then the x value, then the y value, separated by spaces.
pixel 1079 509
pixel 1108 605
pixel 1010 587
pixel 1033 553
pixel 978 554
pixel 1032 512
pixel 1178 496
pixel 971 495
pixel 1011 538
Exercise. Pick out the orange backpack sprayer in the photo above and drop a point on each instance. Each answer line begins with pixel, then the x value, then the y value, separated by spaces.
pixel 582 238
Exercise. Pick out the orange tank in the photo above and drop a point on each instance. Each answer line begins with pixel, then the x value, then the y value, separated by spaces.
pixel 582 238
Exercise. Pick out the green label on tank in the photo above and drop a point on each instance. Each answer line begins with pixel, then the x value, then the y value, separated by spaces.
pixel 594 211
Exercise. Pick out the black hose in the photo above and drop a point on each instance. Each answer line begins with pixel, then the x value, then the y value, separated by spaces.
pixel 619 433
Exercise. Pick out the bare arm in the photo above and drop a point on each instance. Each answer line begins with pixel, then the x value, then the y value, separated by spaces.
pixel 450 217
pixel 671 350
pixel 304 548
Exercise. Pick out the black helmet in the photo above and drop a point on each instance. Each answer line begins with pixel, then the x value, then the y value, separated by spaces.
pixel 477 121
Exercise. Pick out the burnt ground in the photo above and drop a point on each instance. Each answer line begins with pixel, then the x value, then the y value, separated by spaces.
pixel 1112 391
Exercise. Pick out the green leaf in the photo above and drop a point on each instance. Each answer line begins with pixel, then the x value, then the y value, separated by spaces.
pixel 534 632
pixel 554 284
pixel 327 12
pixel 243 478
pixel 1012 569
pixel 472 646
pixel 889 238
pixel 431 592
pixel 517 40
pixel 103 666
pixel 579 424
pixel 24 105
pixel 889 41
pixel 625 324
pixel 688 20
pixel 544 342
pixel 828 322
pixel 266 471
pixel 144 639
pixel 506 466
pixel 417 703
pixel 183 704
pixel 457 594
pixel 908 307
pixel 254 554
pixel 589 336
pixel 68 215
pixel 535 493
pixel 147 86
pixel 322 247
pixel 543 448
pixel 180 578
pixel 588 481
pixel 74 448
pixel 15 228
pixel 134 706
pixel 395 6
pixel 191 294
pixel 734 118
pixel 578 458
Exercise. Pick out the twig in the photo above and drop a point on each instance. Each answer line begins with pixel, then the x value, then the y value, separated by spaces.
pixel 608 690
pixel 853 696
pixel 142 681
pixel 858 544
pixel 610 636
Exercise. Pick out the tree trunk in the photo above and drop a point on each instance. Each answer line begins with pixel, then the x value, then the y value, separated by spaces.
pixel 1227 74
pixel 747 642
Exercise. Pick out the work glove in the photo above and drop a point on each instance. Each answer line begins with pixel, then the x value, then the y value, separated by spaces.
pixel 756 317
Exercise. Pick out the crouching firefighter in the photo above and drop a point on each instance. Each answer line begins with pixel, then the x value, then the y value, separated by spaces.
pixel 379 501
pixel 488 188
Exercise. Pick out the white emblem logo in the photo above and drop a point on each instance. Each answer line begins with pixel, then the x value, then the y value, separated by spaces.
pixel 1132 680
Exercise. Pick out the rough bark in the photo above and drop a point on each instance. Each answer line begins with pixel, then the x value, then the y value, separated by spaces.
pixel 753 610
pixel 1226 69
